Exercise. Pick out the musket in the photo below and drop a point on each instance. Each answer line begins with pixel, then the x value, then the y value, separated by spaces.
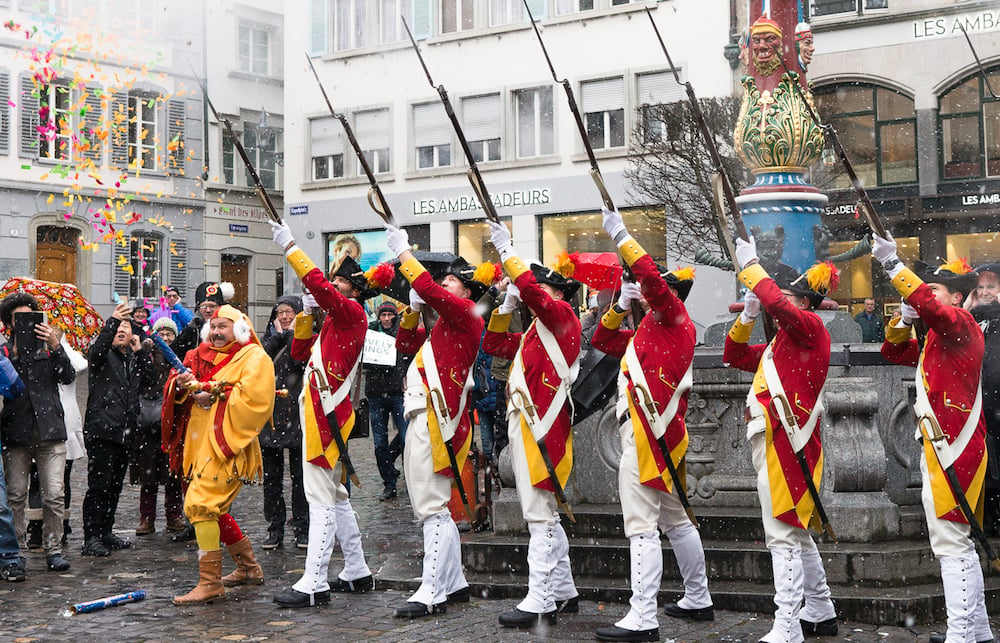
pixel 375 197
pixel 531 416
pixel 595 170
pixel 262 194
pixel 867 209
pixel 650 408
pixel 791 420
pixel 934 436
pixel 475 178
pixel 440 410
pixel 713 150
pixel 323 385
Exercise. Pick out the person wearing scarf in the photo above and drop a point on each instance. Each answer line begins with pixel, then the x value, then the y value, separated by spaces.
pixel 216 433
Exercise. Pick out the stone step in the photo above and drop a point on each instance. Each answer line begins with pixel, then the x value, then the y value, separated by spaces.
pixel 910 604
pixel 864 564
pixel 732 523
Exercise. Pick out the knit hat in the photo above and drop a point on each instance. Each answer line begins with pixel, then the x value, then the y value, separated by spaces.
pixel 165 322
pixel 386 307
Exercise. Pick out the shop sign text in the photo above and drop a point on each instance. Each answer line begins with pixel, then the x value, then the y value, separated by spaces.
pixel 952 26
pixel 467 202
pixel 981 199
pixel 239 211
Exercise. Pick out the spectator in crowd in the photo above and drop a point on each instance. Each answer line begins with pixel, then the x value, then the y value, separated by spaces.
pixel 32 427
pixel 74 425
pixel 384 390
pixel 140 315
pixel 484 400
pixel 119 366
pixel 500 369
pixel 872 328
pixel 985 308
pixel 147 459
pixel 589 321
pixel 283 432
pixel 209 297
pixel 178 313
pixel 11 561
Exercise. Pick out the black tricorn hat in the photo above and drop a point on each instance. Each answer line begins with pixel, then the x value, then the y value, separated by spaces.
pixel 951 275
pixel 680 280
pixel 438 264
pixel 465 271
pixel 549 276
pixel 814 284
pixel 350 270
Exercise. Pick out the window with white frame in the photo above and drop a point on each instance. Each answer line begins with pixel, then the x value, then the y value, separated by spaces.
pixel 391 14
pixel 505 12
pixel 142 131
pixel 326 145
pixel 373 132
pixel 144 257
pixel 457 15
pixel 254 48
pixel 319 26
pixel 55 132
pixel 431 136
pixel 857 7
pixel 654 90
pixel 572 6
pixel 534 127
pixel 349 22
pixel 483 125
pixel 261 146
pixel 604 112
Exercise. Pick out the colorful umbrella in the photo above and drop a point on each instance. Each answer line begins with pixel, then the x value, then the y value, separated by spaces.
pixel 67 308
pixel 599 270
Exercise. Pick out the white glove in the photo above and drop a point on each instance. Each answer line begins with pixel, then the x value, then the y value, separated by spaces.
pixel 308 301
pixel 509 304
pixel 751 308
pixel 884 251
pixel 614 225
pixel 746 252
pixel 416 301
pixel 281 234
pixel 908 312
pixel 500 237
pixel 630 292
pixel 397 240
pixel 513 290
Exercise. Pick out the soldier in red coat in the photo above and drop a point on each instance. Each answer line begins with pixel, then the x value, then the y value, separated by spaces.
pixel 783 412
pixel 436 403
pixel 543 370
pixel 325 406
pixel 652 399
pixel 950 423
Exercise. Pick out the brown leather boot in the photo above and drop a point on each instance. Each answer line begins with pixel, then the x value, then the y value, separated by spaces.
pixel 209 585
pixel 248 571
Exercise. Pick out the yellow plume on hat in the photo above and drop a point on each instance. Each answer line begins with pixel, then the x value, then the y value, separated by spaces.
pixel 565 263
pixel 823 277
pixel 487 273
pixel 959 266
pixel 683 274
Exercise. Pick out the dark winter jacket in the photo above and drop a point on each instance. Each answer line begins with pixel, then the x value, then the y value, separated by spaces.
pixel 188 338
pixel 114 381
pixel 386 381
pixel 988 316
pixel 484 393
pixel 283 432
pixel 41 371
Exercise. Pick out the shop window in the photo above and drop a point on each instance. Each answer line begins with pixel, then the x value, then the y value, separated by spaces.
pixel 604 113
pixel 373 132
pixel 877 128
pixel 970 129
pixel 431 136
pixel 326 146
pixel 535 135
pixel 583 233
pixel 859 281
pixel 978 248
pixel 473 241
pixel 482 125
pixel 457 15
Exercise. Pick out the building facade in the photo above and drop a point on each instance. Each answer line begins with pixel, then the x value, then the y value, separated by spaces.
pixel 921 125
pixel 515 117
pixel 100 147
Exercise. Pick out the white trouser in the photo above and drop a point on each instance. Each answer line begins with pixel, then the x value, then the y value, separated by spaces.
pixel 646 563
pixel 322 486
pixel 429 492
pixel 442 570
pixel 349 536
pixel 644 509
pixel 793 548
pixel 322 535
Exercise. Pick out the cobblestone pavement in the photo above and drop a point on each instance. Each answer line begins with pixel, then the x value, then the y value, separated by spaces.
pixel 35 610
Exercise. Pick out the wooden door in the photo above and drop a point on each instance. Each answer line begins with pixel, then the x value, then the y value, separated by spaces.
pixel 236 270
pixel 55 254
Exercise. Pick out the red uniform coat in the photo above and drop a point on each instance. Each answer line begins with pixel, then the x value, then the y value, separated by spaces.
pixel 455 340
pixel 802 358
pixel 342 338
pixel 664 344
pixel 953 357
pixel 539 372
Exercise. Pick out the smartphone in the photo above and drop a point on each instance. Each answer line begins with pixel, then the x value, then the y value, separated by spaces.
pixel 24 330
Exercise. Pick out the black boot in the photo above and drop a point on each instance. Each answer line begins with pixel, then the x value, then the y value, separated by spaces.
pixel 183 536
pixel 294 598
pixel 34 534
pixel 520 619
pixel 417 610
pixel 615 633
pixel 823 628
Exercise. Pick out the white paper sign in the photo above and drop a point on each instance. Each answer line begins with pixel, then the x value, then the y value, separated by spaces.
pixel 380 349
